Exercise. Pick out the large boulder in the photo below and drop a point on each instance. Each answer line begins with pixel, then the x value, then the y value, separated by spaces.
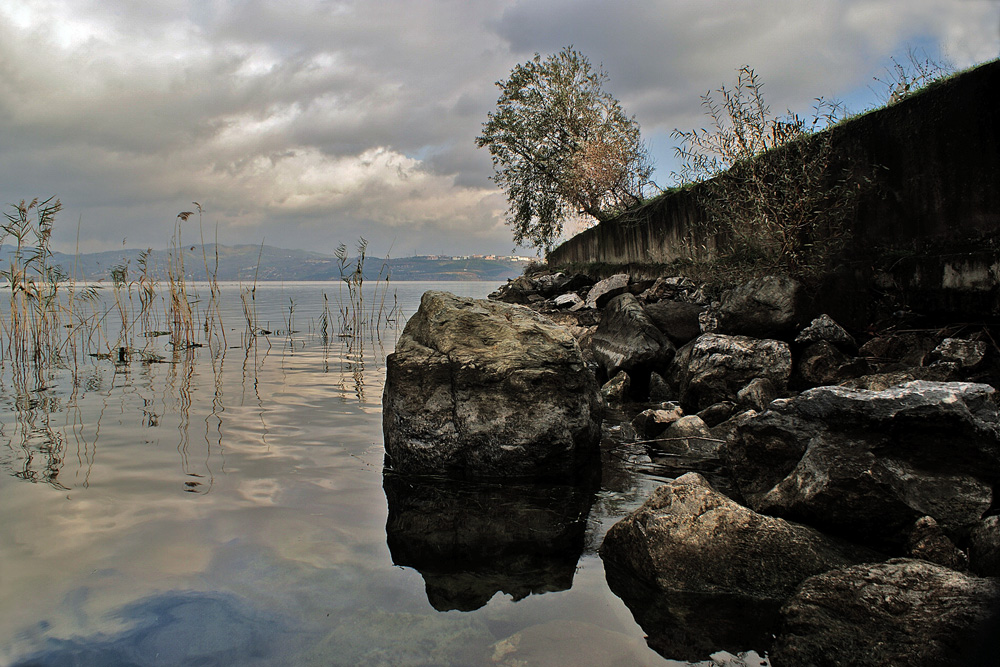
pixel 607 289
pixel 901 612
pixel 627 340
pixel 768 307
pixel 677 320
pixel 687 537
pixel 984 547
pixel 867 465
pixel 714 367
pixel 482 389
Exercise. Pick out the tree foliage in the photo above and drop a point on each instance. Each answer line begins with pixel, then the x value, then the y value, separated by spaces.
pixel 561 147
pixel 773 189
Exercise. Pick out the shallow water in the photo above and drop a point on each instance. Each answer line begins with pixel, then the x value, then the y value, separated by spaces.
pixel 230 508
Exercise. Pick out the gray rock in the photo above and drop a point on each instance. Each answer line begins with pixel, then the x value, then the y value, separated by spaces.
pixel 757 395
pixel 626 339
pixel 882 381
pixel 717 413
pixel 867 465
pixel 676 319
pixel 968 354
pixel 772 306
pixel 571 302
pixel 690 437
pixel 687 537
pixel 478 388
pixel 659 389
pixel 652 422
pixel 928 542
pixel 901 612
pixel 823 328
pixel 822 364
pixel 615 390
pixel 984 547
pixel 714 367
pixel 519 290
pixel 607 289
pixel 908 348
pixel 550 284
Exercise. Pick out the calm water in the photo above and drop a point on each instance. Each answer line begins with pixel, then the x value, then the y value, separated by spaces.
pixel 231 509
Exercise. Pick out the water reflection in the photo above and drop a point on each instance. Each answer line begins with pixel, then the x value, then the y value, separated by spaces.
pixel 174 628
pixel 470 541
pixel 693 626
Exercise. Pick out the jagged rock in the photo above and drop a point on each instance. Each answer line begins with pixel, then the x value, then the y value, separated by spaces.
pixel 615 390
pixel 659 390
pixel 690 438
pixel 717 413
pixel 714 367
pixel 518 290
pixel 984 547
pixel 928 542
pixel 607 289
pixel 687 537
pixel 823 328
pixel 822 363
pixel 757 395
pixel 907 349
pixel 866 465
pixel 882 381
pixel 571 302
pixel 968 354
pixel 677 320
pixel 768 307
pixel 901 612
pixel 725 430
pixel 652 422
pixel 478 388
pixel 551 284
pixel 626 339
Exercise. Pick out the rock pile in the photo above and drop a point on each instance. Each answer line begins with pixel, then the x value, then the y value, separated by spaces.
pixel 862 504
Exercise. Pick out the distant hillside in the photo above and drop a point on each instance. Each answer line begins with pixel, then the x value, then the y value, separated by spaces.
pixel 247 262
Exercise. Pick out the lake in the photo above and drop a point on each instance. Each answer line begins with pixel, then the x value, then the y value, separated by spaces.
pixel 225 505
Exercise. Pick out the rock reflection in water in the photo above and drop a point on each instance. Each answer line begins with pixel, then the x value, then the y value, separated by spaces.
pixel 693 626
pixel 471 540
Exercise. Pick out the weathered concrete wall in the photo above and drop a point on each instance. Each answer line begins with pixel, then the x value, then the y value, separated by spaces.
pixel 934 158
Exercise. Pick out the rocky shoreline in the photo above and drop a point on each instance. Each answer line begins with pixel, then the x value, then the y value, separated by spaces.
pixel 857 522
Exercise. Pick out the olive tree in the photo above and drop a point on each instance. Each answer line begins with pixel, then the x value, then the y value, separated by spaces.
pixel 562 147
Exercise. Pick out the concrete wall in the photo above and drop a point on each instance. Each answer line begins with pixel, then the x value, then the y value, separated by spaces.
pixel 934 157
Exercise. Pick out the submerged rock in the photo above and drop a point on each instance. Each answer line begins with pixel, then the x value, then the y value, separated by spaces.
pixel 480 389
pixel 901 612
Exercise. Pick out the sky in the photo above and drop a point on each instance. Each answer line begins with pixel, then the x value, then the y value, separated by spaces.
pixel 309 123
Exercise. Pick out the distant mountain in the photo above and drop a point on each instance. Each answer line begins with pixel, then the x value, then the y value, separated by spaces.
pixel 246 263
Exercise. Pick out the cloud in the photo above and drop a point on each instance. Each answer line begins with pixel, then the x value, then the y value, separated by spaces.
pixel 311 121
